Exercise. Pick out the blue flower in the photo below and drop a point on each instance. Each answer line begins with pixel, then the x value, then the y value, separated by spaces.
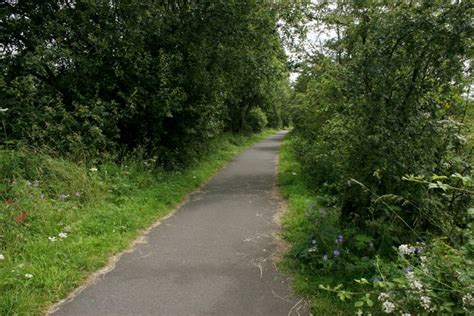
pixel 408 269
pixel 371 245
pixel 336 252
pixel 313 242
pixel 325 257
pixel 375 279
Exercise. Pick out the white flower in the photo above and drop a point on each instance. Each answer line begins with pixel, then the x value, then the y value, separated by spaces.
pixel 28 275
pixel 93 169
pixel 414 283
pixel 383 297
pixel 467 300
pixel 52 238
pixel 359 313
pixel 388 307
pixel 406 314
pixel 406 249
pixel 293 173
pixel 425 302
pixel 62 235
pixel 2 257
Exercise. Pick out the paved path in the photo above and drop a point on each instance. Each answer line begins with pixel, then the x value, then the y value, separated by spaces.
pixel 212 257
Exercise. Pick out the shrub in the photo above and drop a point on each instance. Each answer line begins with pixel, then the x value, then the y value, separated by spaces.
pixel 256 120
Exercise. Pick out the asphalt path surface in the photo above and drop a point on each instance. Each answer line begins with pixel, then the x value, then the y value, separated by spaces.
pixel 213 256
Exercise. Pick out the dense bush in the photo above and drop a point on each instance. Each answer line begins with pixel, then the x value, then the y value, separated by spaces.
pixel 97 77
pixel 386 101
pixel 256 120
pixel 380 114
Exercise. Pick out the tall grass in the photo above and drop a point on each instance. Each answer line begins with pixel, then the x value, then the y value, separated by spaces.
pixel 60 220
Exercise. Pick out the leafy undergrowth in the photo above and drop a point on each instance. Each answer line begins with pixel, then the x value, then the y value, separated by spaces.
pixel 60 221
pixel 297 226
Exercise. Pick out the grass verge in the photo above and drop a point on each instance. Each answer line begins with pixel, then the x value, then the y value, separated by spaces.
pixel 297 227
pixel 61 221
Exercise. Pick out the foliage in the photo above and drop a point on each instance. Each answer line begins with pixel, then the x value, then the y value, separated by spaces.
pixel 256 120
pixel 101 77
pixel 383 100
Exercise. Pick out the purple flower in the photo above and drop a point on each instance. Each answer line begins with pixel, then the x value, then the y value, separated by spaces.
pixel 36 183
pixel 371 245
pixel 336 252
pixel 63 197
pixel 313 242
pixel 325 257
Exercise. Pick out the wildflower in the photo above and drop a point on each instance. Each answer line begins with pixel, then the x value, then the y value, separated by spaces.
pixel 2 257
pixel 62 235
pixel 414 283
pixel 63 197
pixel 371 245
pixel 313 242
pixel 28 275
pixel 77 194
pixel 52 238
pixel 425 302
pixel 383 297
pixel 93 169
pixel 339 239
pixel 467 300
pixel 36 183
pixel 407 269
pixel 406 249
pixel 42 196
pixel 406 314
pixel 336 252
pixel 28 182
pixel 388 307
pixel 325 257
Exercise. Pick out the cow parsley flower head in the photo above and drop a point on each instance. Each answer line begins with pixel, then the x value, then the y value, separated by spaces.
pixel 62 235
pixel 52 238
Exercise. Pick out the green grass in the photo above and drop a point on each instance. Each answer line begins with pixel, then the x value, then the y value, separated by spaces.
pixel 104 212
pixel 296 225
